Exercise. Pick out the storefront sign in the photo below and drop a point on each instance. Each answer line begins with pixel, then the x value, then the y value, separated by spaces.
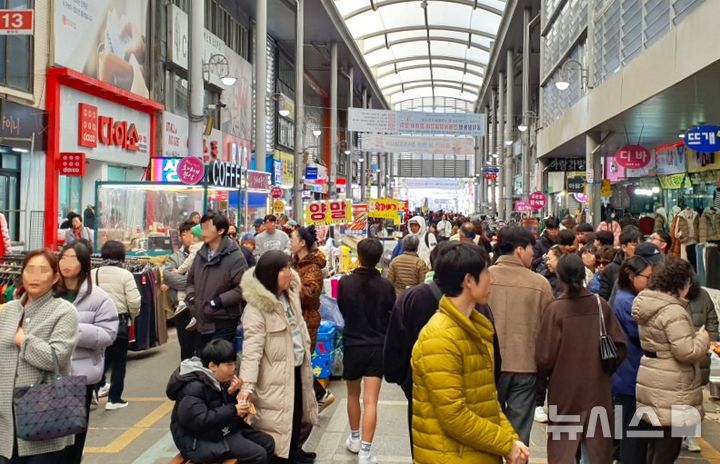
pixel 537 200
pixel 190 170
pixel 414 144
pixel 675 181
pixel 16 22
pixel 320 213
pixel 576 185
pixel 276 192
pixel 278 207
pixel 383 208
pixel 605 188
pixel 311 173
pixel 704 139
pixel 72 164
pixel 165 169
pixel 700 162
pixel 20 121
pixel 522 206
pixel 566 164
pixel 284 169
pixel 175 140
pixel 670 158
pixel 633 156
pixel 258 180
pixel 224 174
pixel 103 130
pixel 580 197
pixel 415 122
pixel 105 39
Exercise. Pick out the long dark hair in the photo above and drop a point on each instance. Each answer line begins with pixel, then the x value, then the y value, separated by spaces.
pixel 570 272
pixel 268 268
pixel 629 269
pixel 83 256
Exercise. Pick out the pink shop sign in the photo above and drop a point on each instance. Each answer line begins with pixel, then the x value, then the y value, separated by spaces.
pixel 191 170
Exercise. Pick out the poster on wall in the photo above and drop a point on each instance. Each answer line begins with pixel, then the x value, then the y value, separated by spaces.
pixel 106 40
pixel 175 140
pixel 670 158
pixel 236 118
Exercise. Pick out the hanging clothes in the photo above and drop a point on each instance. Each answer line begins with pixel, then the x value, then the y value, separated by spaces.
pixel 647 224
pixel 686 231
pixel 661 221
pixel 709 228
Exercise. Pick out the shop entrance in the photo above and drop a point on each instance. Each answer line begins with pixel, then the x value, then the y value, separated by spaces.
pixel 10 192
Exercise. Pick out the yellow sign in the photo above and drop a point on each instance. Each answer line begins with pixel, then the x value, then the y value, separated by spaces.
pixel 321 213
pixel 605 188
pixel 278 207
pixel 287 166
pixel 383 208
pixel 675 181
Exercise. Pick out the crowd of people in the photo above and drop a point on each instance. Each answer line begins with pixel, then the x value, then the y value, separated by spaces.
pixel 486 327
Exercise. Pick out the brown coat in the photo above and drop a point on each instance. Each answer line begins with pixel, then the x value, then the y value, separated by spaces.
pixel 407 270
pixel 518 298
pixel 267 361
pixel 568 342
pixel 672 376
pixel 310 269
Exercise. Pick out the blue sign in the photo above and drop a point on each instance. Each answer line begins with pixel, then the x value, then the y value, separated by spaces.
pixel 705 139
pixel 311 173
pixel 277 171
pixel 491 169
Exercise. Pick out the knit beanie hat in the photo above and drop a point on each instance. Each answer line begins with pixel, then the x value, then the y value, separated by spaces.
pixel 197 231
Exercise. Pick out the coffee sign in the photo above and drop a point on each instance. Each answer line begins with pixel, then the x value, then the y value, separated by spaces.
pixel 222 174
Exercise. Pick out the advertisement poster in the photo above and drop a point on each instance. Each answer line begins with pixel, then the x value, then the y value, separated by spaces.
pixel 359 224
pixel 237 116
pixel 175 140
pixel 670 159
pixel 286 173
pixel 106 40
pixel 321 213
pixel 700 162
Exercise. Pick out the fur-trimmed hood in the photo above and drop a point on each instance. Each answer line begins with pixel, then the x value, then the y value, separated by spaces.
pixel 257 295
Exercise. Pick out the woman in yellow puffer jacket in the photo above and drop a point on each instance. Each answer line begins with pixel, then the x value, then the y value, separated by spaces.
pixel 456 414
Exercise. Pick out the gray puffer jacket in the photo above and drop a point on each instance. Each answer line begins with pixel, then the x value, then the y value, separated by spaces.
pixel 97 330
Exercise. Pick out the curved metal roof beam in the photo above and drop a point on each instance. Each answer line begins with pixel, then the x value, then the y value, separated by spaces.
pixel 425 86
pixel 424 66
pixel 435 57
pixel 421 27
pixel 377 4
pixel 423 105
pixel 428 81
pixel 432 39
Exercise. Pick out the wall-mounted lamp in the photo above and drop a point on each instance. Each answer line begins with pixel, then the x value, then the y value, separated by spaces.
pixel 220 65
pixel 527 118
pixel 317 132
pixel 563 83
pixel 284 113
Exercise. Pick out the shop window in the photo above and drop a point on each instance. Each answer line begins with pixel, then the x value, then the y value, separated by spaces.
pixel 181 101
pixel 69 196
pixel 16 54
pixel 117 174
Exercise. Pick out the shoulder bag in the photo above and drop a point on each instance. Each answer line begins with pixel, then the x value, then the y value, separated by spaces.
pixel 608 350
pixel 51 410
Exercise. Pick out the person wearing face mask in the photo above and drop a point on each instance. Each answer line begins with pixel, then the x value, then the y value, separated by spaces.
pixel 669 375
pixel 275 369
pixel 456 415
pixel 518 298
pixel 33 328
pixel 98 326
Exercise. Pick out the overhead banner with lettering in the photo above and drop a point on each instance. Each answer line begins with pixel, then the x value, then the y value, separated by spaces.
pixel 415 122
pixel 321 213
pixel 414 144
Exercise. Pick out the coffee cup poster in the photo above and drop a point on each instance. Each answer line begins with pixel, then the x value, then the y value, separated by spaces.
pixel 106 40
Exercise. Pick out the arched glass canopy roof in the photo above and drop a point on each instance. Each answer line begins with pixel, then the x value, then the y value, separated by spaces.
pixel 424 48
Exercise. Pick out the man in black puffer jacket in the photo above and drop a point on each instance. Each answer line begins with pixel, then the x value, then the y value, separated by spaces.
pixel 207 421
pixel 543 244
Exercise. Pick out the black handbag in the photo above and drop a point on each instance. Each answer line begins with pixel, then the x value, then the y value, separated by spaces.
pixel 608 350
pixel 51 410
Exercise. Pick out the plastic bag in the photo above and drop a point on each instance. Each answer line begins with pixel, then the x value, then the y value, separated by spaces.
pixel 330 312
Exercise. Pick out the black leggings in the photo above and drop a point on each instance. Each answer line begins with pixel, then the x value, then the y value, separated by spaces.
pixel 296 422
pixel 73 453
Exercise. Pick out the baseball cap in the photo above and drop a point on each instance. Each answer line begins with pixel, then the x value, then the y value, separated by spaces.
pixel 258 222
pixel 650 252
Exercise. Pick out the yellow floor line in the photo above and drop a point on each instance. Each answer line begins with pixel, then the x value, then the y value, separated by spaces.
pixel 708 452
pixel 131 434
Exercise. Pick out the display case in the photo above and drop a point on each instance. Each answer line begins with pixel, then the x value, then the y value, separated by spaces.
pixel 136 212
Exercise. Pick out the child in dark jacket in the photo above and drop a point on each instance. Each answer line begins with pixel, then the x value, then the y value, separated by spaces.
pixel 207 422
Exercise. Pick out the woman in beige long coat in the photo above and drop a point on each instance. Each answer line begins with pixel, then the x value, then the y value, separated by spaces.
pixel 669 380
pixel 275 368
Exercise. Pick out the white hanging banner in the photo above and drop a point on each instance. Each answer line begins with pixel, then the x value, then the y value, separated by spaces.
pixel 415 122
pixel 413 144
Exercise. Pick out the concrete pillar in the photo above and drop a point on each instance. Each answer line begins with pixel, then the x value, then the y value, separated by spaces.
pixel 299 110
pixel 197 82
pixel 260 84
pixel 500 147
pixel 348 145
pixel 594 176
pixel 526 153
pixel 509 131
pixel 332 189
pixel 492 146
pixel 365 157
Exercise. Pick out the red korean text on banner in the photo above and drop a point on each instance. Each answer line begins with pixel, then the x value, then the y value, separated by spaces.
pixel 633 156
pixel 537 200
pixel 190 170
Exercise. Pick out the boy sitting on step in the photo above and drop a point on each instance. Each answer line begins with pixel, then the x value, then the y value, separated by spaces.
pixel 207 422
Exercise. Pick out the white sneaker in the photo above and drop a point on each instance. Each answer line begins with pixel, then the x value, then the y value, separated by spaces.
pixel 103 391
pixel 114 406
pixel 690 445
pixel 352 444
pixel 540 415
pixel 368 458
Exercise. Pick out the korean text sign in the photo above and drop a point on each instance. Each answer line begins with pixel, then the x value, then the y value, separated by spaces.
pixel 705 139
pixel 383 208
pixel 321 213
pixel 633 156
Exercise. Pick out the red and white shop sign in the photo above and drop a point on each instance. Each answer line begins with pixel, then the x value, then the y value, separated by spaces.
pixel 16 22
pixel 72 164
pixel 190 170
pixel 276 193
pixel 633 156
pixel 537 200
pixel 102 130
pixel 522 206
